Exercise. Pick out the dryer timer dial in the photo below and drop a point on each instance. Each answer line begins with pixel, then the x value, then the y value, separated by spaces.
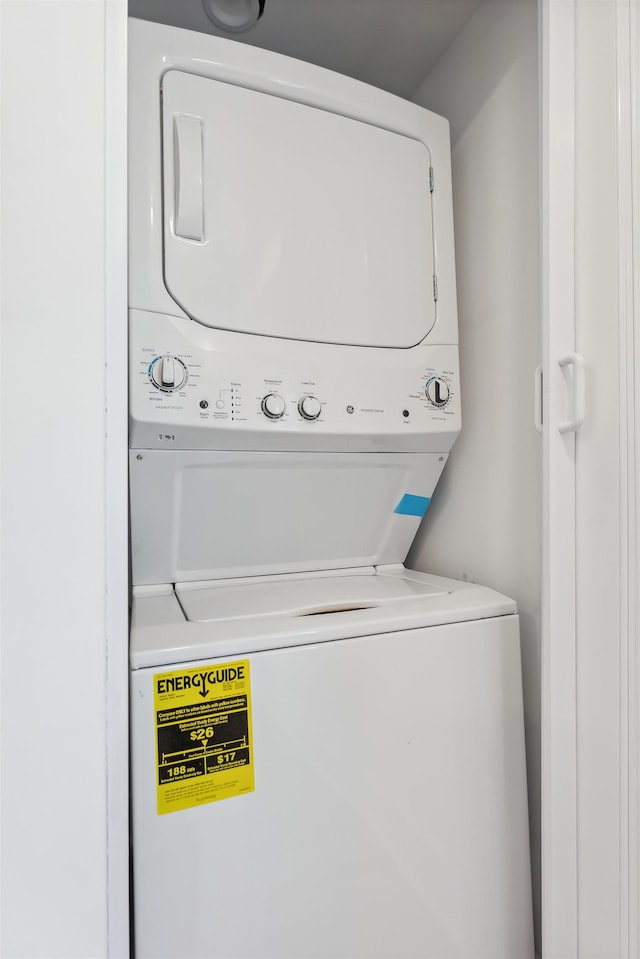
pixel 437 390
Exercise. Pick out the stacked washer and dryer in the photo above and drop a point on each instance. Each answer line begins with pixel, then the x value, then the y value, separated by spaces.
pixel 327 748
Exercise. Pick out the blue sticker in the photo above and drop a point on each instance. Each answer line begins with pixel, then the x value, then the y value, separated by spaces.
pixel 411 505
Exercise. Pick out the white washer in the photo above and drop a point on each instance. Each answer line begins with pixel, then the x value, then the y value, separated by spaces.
pixel 327 749
pixel 385 813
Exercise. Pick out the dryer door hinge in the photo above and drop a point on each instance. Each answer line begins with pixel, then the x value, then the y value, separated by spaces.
pixel 435 288
pixel 431 179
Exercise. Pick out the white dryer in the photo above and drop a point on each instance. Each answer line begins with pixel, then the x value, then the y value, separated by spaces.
pixel 327 749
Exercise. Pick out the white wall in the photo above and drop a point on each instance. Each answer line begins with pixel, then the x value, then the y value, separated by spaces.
pixel 484 523
pixel 56 301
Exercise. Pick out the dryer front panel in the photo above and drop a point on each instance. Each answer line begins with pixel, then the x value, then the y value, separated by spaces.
pixel 286 220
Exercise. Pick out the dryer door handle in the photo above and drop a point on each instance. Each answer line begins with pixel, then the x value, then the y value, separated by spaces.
pixel 187 174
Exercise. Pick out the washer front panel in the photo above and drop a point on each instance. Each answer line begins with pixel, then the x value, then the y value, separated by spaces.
pixel 389 815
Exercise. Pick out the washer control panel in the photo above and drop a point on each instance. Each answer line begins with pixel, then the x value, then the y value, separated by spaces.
pixel 309 407
pixel 273 406
pixel 167 373
pixel 274 395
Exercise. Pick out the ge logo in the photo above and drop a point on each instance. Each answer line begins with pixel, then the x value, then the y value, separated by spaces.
pixel 349 409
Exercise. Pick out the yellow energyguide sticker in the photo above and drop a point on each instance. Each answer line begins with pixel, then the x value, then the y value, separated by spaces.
pixel 203 734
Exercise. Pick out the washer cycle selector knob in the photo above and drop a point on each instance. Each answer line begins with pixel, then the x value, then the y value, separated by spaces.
pixel 437 391
pixel 273 406
pixel 309 407
pixel 168 373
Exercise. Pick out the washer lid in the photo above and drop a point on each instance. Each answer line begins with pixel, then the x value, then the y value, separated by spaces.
pixel 307 597
pixel 290 221
pixel 281 612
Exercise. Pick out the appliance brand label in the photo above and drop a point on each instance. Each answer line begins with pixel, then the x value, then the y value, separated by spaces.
pixel 204 748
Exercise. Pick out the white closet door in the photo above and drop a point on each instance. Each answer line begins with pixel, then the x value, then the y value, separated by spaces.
pixel 590 806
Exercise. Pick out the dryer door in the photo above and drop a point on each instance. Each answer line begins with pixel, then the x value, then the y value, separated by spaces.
pixel 286 220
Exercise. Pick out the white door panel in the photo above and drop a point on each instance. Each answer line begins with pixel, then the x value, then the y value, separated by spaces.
pixel 558 667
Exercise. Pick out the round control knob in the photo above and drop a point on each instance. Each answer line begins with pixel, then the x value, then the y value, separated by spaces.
pixel 309 407
pixel 437 391
pixel 168 373
pixel 273 406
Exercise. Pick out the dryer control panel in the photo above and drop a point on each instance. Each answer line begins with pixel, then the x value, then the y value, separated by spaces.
pixel 193 388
